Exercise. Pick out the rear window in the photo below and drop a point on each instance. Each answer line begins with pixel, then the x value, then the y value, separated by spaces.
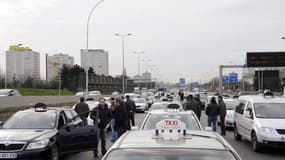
pixel 169 154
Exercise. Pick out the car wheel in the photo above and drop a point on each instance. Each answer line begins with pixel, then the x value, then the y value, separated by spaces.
pixel 256 146
pixel 54 154
pixel 236 134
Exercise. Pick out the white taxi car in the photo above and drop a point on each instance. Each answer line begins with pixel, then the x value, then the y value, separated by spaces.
pixel 187 117
pixel 230 105
pixel 261 120
pixel 171 141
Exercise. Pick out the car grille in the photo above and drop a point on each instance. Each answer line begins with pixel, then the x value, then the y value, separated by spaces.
pixel 12 146
pixel 281 131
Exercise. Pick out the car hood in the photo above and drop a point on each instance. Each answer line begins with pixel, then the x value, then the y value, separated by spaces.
pixel 272 123
pixel 22 135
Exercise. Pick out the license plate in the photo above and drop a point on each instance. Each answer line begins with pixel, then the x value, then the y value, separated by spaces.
pixel 8 155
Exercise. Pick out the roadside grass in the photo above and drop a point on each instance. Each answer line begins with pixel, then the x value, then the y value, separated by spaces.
pixel 43 92
pixel 7 112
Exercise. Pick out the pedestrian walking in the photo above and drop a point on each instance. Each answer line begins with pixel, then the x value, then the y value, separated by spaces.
pixel 121 117
pixel 114 132
pixel 82 109
pixel 200 104
pixel 193 105
pixel 181 95
pixel 131 108
pixel 102 114
pixel 223 113
pixel 212 111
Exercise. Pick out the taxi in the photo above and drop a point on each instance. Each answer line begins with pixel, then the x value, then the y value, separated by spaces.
pixel 44 133
pixel 172 111
pixel 171 141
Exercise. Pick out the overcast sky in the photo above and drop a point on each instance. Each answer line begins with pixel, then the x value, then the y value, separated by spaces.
pixel 183 38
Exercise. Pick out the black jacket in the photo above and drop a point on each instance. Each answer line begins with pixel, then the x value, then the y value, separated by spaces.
pixel 130 106
pixel 82 109
pixel 223 109
pixel 212 110
pixel 121 117
pixel 194 106
pixel 104 115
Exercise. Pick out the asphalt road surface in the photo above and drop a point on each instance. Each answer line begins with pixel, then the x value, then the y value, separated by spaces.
pixel 242 147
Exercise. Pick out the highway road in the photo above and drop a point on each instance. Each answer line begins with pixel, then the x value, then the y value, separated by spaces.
pixel 242 147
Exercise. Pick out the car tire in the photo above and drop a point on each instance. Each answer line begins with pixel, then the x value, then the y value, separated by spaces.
pixel 256 146
pixel 54 153
pixel 236 134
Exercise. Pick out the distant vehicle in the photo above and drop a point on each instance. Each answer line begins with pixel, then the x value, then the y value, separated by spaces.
pixel 94 93
pixel 171 140
pixel 45 133
pixel 141 104
pixel 187 117
pixel 132 95
pixel 115 93
pixel 261 120
pixel 80 94
pixel 9 92
pixel 158 106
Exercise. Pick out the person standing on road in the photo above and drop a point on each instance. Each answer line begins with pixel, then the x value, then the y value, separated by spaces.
pixel 121 117
pixel 82 109
pixel 102 114
pixel 212 111
pixel 131 108
pixel 114 133
pixel 193 105
pixel 223 113
pixel 181 95
pixel 201 105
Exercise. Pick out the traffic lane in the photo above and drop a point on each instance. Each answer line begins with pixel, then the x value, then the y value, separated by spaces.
pixel 244 149
pixel 139 117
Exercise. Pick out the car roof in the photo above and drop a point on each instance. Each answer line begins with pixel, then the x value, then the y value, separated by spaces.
pixel 262 99
pixel 49 109
pixel 166 111
pixel 198 140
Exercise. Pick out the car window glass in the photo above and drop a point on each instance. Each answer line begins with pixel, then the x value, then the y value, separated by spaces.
pixel 269 110
pixel 61 120
pixel 240 107
pixel 69 115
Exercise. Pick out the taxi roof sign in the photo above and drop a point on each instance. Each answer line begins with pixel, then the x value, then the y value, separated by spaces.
pixel 170 124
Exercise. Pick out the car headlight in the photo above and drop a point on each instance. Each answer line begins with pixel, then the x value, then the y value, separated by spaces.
pixel 267 130
pixel 38 144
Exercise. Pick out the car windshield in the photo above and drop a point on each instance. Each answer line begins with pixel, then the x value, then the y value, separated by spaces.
pixel 269 110
pixel 169 154
pixel 94 92
pixel 31 120
pixel 188 119
pixel 139 100
pixel 231 104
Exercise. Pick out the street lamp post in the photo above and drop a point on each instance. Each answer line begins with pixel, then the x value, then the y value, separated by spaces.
pixel 139 55
pixel 123 56
pixel 87 45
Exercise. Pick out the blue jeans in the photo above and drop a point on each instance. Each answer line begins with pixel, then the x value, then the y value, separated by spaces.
pixel 101 136
pixel 214 121
pixel 114 133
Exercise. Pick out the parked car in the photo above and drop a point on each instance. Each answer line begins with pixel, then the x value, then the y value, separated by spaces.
pixel 141 104
pixel 261 120
pixel 9 92
pixel 94 93
pixel 230 104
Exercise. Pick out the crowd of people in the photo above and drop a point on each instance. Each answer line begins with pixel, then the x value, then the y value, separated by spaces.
pixel 120 114
pixel 213 110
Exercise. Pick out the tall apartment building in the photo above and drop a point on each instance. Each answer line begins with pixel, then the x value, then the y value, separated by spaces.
pixel 21 63
pixel 98 59
pixel 55 63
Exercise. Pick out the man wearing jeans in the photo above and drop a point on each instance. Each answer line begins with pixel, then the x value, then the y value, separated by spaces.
pixel 212 112
pixel 103 116
pixel 114 132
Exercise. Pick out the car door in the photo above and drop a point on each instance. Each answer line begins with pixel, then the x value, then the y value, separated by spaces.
pixel 248 120
pixel 74 137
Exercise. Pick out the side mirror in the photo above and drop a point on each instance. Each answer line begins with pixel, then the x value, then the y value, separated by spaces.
pixel 134 128
pixel 68 127
pixel 248 115
pixel 209 129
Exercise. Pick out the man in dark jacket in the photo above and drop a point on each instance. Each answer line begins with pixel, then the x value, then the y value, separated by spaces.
pixel 223 113
pixel 82 109
pixel 131 108
pixel 102 114
pixel 212 112
pixel 193 105
pixel 121 117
